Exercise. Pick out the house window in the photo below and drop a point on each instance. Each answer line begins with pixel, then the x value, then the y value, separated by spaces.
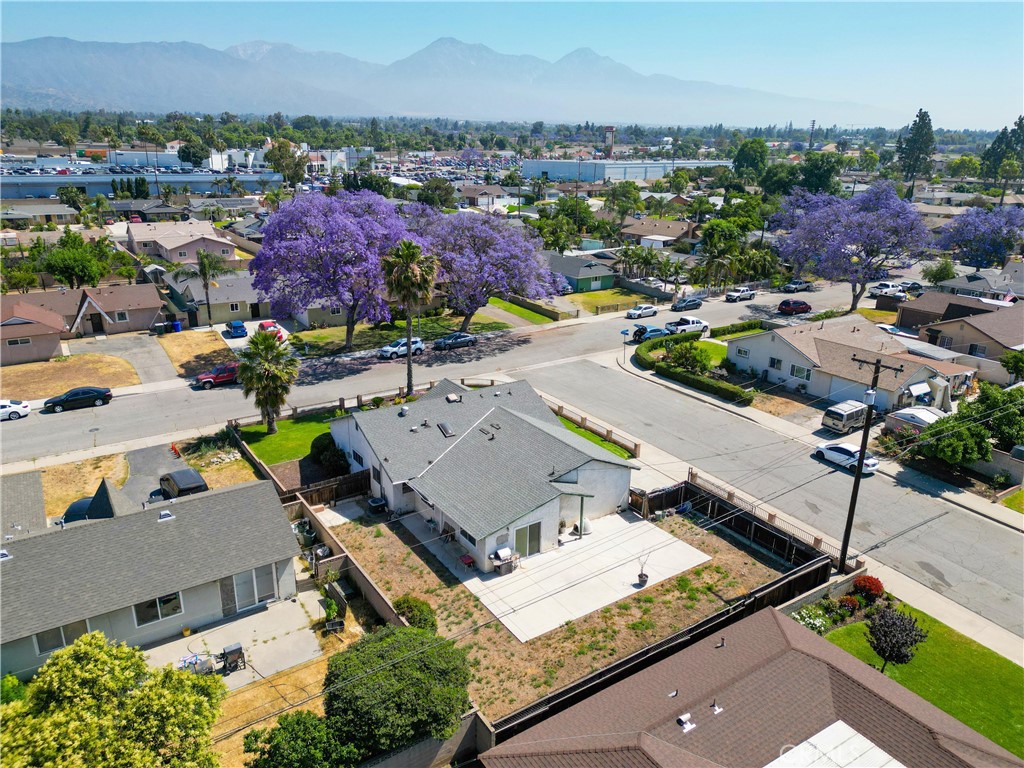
pixel 336 310
pixel 775 363
pixel 799 372
pixel 467 537
pixel 54 639
pixel 946 342
pixel 225 251
pixel 120 317
pixel 357 458
pixel 375 473
pixel 182 254
pixel 234 306
pixel 255 586
pixel 741 352
pixel 160 608
pixel 147 244
pixel 18 342
pixel 977 350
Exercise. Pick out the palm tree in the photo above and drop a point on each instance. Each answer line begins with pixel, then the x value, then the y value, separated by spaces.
pixel 701 206
pixel 716 262
pixel 166 193
pixel 409 276
pixel 209 266
pixel 267 370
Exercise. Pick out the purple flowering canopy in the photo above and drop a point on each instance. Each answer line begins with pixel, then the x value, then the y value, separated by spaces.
pixel 856 240
pixel 326 251
pixel 984 238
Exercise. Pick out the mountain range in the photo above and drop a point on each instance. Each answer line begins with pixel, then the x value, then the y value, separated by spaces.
pixel 448 78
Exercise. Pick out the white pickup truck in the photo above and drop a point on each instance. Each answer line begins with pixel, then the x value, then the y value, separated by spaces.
pixel 887 289
pixel 740 294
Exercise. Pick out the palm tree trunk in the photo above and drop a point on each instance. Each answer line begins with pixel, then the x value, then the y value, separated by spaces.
pixel 271 419
pixel 209 312
pixel 408 352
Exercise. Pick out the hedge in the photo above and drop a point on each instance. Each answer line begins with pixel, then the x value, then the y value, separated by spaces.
pixel 722 389
pixel 645 348
pixel 725 330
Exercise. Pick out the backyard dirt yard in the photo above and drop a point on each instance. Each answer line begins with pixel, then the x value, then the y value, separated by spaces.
pixel 193 352
pixel 781 405
pixel 508 674
pixel 66 483
pixel 35 381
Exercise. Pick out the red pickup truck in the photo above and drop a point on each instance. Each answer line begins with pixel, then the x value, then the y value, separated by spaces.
pixel 222 374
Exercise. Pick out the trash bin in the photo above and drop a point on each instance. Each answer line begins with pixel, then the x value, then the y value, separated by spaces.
pixel 159 329
pixel 176 326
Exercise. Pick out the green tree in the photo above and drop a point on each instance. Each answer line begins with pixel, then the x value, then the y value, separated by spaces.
pixel 894 636
pixel 141 190
pixel 94 703
pixel 409 275
pixel 958 439
pixel 964 166
pixel 690 357
pixel 1003 412
pixel 287 162
pixel 752 155
pixel 915 152
pixel 166 193
pixel 417 612
pixel 67 134
pixel 267 370
pixel 1009 170
pixel 394 687
pixel 868 160
pixel 20 280
pixel 1013 362
pixel 780 179
pixel 299 740
pixel 819 172
pixel 700 207
pixel 940 271
pixel 437 193
pixel 208 267
pixel 71 196
pixel 624 193
pixel 194 152
pixel 74 265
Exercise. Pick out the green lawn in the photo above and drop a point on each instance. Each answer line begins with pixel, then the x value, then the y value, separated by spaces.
pixel 586 433
pixel 717 351
pixel 331 341
pixel 1015 501
pixel 291 441
pixel 514 309
pixel 877 315
pixel 977 686
pixel 591 300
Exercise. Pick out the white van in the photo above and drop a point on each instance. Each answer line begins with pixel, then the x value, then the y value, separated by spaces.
pixel 845 417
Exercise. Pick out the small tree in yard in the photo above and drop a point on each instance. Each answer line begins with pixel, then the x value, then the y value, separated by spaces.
pixel 939 271
pixel 417 612
pixel 894 636
pixel 690 357
pixel 267 371
pixel 1013 362
pixel 328 455
pixel 300 740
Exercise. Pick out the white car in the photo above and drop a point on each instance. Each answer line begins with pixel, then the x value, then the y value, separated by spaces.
pixel 12 410
pixel 740 294
pixel 641 310
pixel 687 325
pixel 397 348
pixel 845 455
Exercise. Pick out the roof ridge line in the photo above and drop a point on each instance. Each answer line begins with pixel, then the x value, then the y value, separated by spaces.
pixel 454 443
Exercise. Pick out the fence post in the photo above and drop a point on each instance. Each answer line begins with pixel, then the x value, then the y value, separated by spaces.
pixel 560 410
pixel 359 401
pixel 341 403
pixel 636 450
pixel 583 421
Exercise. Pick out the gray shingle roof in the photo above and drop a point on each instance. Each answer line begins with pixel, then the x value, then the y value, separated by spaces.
pixel 110 501
pixel 574 267
pixel 21 503
pixel 122 561
pixel 232 287
pixel 443 388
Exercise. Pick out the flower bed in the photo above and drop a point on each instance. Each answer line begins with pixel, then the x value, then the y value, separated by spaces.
pixel 831 613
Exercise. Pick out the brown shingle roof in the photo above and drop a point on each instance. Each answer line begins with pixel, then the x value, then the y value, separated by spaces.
pixel 777 684
pixel 852 330
pixel 41 321
pixel 937 302
pixel 666 227
pixel 1005 326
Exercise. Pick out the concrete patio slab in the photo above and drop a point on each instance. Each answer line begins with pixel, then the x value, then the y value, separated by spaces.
pixel 577 578
pixel 345 512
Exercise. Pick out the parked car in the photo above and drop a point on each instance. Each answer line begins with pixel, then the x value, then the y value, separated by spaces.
pixel 237 330
pixel 845 455
pixel 182 482
pixel 886 289
pixel 687 325
pixel 845 417
pixel 641 310
pixel 740 294
pixel 455 340
pixel 269 326
pixel 397 348
pixel 221 374
pixel 12 410
pixel 912 287
pixel 797 285
pixel 646 332
pixel 79 397
pixel 684 304
pixel 794 307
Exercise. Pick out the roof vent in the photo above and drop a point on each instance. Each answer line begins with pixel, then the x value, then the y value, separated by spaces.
pixel 404 411
pixel 4 554
pixel 495 426
pixel 684 720
pixel 425 423
pixel 485 431
pixel 165 514
pixel 490 436
pixel 715 709
pixel 446 430
pixel 414 429
pixel 453 398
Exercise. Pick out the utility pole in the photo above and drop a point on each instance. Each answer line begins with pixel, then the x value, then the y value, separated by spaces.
pixel 810 138
pixel 869 400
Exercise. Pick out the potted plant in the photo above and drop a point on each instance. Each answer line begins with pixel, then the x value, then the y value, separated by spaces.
pixel 642 576
pixel 186 631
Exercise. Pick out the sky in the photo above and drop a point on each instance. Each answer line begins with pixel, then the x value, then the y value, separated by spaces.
pixel 962 62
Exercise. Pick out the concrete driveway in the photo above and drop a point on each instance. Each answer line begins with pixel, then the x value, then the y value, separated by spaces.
pixel 141 349
pixel 252 326
pixel 145 466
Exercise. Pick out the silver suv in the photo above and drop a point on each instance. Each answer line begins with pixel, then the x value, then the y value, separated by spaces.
pixel 397 348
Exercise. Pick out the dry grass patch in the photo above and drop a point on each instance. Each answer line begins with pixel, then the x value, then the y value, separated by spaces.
pixel 35 381
pixel 193 352
pixel 781 405
pixel 507 674
pixel 218 461
pixel 66 483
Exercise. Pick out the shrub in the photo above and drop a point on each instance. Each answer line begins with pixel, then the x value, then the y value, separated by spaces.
pixel 813 618
pixel 378 401
pixel 690 358
pixel 417 612
pixel 330 609
pixel 868 586
pixel 849 603
pixel 328 455
pixel 11 689
pixel 722 389
pixel 644 352
pixel 725 330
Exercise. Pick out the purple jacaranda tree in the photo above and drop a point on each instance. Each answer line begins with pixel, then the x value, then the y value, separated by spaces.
pixel 481 257
pixel 984 238
pixel 326 251
pixel 857 240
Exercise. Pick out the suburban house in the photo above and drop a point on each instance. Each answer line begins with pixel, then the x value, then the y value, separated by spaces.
pixel 28 333
pixel 105 310
pixel 493 467
pixel 142 575
pixel 659 233
pixel 764 692
pixel 933 306
pixel 147 210
pixel 989 335
pixel 582 189
pixel 581 274
pixel 1004 284
pixel 37 212
pixel 817 358
pixel 178 242
pixel 488 196
pixel 231 298
pixel 250 227
pixel 936 216
pixel 671 198
pixel 236 207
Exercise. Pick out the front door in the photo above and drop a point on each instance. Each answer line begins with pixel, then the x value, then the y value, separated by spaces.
pixel 96 320
pixel 254 310
pixel 528 539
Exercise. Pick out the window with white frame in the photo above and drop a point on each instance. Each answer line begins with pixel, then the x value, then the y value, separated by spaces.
pixel 946 342
pixel 977 350
pixel 18 342
pixel 120 317
pixel 182 254
pixel 741 352
pixel 147 244
pixel 54 639
pixel 336 310
pixel 357 458
pixel 799 372
pixel 225 251
pixel 157 609
pixel 234 307
pixel 775 363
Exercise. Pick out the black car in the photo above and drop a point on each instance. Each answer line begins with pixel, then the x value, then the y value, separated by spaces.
pixel 79 397
pixel 684 304
pixel 455 340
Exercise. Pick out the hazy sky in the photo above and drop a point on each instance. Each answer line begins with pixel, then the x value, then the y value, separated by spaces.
pixel 962 62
